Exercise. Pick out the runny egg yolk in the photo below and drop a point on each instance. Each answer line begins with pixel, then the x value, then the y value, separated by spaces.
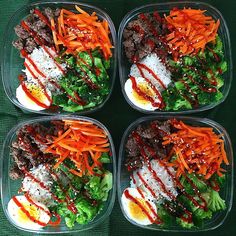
pixel 33 211
pixel 135 210
pixel 146 89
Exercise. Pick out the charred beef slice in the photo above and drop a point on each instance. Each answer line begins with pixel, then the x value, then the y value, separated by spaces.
pixel 152 134
pixel 27 150
pixel 142 36
pixel 42 30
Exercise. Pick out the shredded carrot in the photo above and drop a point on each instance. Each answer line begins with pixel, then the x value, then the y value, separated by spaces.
pixel 83 148
pixel 197 149
pixel 81 32
pixel 54 35
pixel 190 30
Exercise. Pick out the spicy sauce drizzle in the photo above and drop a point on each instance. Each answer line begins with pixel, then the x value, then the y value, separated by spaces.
pixel 187 218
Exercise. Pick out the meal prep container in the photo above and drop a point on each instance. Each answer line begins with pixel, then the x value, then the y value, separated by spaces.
pixel 9 188
pixel 123 176
pixel 164 8
pixel 12 63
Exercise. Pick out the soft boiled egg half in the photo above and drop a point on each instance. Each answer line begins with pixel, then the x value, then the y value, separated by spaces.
pixel 34 98
pixel 137 207
pixel 28 215
pixel 145 88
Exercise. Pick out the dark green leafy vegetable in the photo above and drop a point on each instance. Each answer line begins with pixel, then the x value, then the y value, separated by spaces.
pixel 105 158
pixel 197 79
pixel 86 84
pixel 88 193
pixel 200 184
pixel 98 187
pixel 184 223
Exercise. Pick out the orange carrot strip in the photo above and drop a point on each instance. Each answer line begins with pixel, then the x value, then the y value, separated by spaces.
pixel 60 160
pixel 54 35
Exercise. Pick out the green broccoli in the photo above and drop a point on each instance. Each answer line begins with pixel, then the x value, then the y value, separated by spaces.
pixel 70 220
pixel 86 209
pixel 219 179
pixel 201 214
pixel 214 201
pixel 165 216
pixel 99 187
pixel 200 184
pixel 85 59
pixel 206 98
pixel 184 224
pixel 105 158
pixel 173 100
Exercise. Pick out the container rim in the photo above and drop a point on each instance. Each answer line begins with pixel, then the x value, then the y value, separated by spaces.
pixel 110 205
pixel 205 121
pixel 230 64
pixel 114 57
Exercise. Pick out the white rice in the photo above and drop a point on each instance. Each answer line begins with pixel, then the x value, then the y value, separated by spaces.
pixel 45 64
pixel 36 192
pixel 153 62
pixel 147 175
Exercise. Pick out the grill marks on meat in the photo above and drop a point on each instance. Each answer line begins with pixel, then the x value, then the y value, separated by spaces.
pixel 25 40
pixel 27 150
pixel 140 39
pixel 152 135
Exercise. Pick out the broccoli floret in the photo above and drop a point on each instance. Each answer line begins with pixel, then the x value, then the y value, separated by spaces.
pixel 105 158
pixel 107 64
pixel 173 100
pixel 99 187
pixel 218 45
pixel 86 209
pixel 70 61
pixel 70 220
pixel 84 59
pixel 220 179
pixel 214 201
pixel 201 185
pixel 59 99
pixel 223 66
pixel 184 224
pixel 201 214
pixel 188 61
pixel 220 82
pixel 165 216
pixel 206 98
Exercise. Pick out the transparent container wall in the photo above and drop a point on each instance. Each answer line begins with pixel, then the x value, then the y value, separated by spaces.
pixel 162 8
pixel 123 179
pixel 12 63
pixel 9 187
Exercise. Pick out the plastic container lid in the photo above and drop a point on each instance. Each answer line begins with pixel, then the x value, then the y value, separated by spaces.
pixel 9 187
pixel 12 63
pixel 162 8
pixel 123 176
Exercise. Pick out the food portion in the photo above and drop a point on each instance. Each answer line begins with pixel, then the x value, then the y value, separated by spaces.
pixel 67 57
pixel 64 171
pixel 176 174
pixel 180 57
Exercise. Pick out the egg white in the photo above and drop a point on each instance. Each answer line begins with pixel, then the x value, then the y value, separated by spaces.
pixel 136 99
pixel 21 219
pixel 127 203
pixel 27 102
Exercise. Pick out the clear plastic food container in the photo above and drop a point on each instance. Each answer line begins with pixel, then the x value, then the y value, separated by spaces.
pixel 123 176
pixel 12 63
pixel 164 8
pixel 9 188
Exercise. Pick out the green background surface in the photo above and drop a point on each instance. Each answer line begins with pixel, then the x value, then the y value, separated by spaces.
pixel 117 115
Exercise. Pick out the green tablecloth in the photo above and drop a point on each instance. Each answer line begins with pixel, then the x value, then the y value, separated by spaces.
pixel 225 114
